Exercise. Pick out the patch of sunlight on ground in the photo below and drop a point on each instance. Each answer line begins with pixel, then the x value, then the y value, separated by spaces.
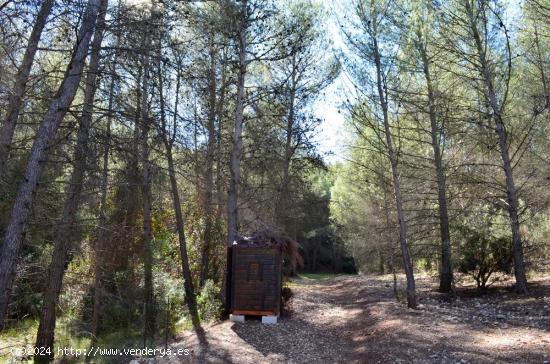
pixel 500 339
pixel 320 276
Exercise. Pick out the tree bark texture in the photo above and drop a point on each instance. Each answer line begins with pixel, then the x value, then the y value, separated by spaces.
pixel 407 262
pixel 209 175
pixel 17 224
pixel 62 245
pixel 149 315
pixel 446 268
pixel 500 130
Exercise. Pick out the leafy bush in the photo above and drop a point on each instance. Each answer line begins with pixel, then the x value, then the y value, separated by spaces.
pixel 481 255
pixel 209 304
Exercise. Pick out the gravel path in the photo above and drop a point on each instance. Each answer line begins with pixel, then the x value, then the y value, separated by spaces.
pixel 355 319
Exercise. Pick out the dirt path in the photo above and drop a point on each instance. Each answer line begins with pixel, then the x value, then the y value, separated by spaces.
pixel 355 319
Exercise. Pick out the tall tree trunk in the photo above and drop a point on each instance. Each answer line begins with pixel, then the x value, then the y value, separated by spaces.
pixel 446 268
pixel 16 96
pixel 284 189
pixel 168 141
pixel 500 130
pixel 389 228
pixel 149 315
pixel 104 184
pixel 407 263
pixel 17 225
pixel 186 271
pixel 235 167
pixel 134 180
pixel 219 138
pixel 209 176
pixel 236 153
pixel 62 245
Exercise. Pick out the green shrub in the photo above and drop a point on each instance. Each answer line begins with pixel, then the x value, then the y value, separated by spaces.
pixel 481 255
pixel 209 303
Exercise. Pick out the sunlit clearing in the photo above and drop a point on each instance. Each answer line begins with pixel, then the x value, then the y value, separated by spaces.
pixel 138 2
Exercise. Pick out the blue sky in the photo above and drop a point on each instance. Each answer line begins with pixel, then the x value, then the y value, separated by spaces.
pixel 330 136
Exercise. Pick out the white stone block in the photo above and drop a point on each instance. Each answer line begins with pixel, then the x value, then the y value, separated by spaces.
pixel 269 319
pixel 236 318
